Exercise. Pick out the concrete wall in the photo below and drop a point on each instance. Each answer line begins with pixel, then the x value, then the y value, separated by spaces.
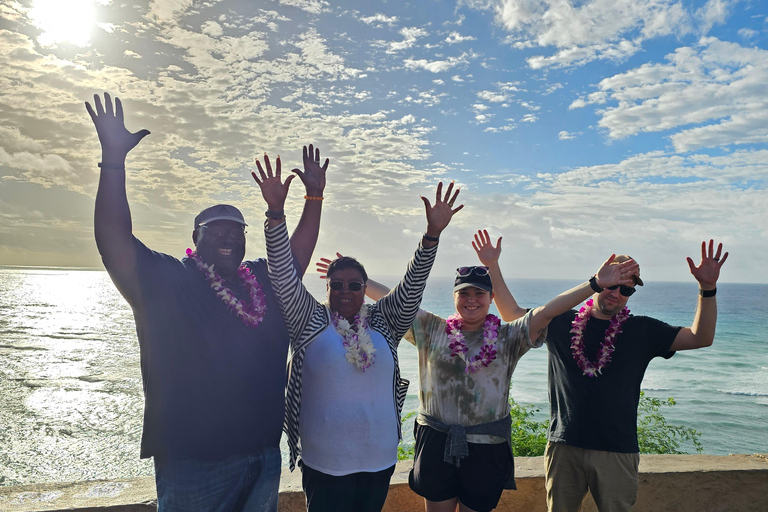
pixel 679 483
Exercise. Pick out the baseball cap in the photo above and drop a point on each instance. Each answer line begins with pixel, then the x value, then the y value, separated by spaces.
pixel 219 212
pixel 470 277
pixel 621 258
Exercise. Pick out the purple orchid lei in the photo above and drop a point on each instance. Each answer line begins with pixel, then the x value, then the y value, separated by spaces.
pixel 458 345
pixel 587 367
pixel 250 314
pixel 355 338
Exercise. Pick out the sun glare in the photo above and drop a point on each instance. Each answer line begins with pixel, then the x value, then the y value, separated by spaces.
pixel 63 21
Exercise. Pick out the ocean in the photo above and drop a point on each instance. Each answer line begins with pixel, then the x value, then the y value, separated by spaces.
pixel 71 399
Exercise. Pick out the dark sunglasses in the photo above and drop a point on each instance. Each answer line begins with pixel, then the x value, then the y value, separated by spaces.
pixel 238 233
pixel 478 271
pixel 354 286
pixel 626 291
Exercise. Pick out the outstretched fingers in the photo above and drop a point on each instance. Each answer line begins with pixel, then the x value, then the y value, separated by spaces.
pixel 447 198
pixel 108 104
pixel 119 110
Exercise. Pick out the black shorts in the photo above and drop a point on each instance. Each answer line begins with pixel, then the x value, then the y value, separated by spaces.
pixel 477 482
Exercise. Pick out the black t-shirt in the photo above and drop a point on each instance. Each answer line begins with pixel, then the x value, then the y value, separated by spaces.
pixel 600 413
pixel 213 386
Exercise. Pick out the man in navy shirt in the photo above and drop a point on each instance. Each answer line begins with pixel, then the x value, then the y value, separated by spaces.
pixel 212 339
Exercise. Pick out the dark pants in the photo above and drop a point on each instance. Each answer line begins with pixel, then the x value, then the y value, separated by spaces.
pixel 357 492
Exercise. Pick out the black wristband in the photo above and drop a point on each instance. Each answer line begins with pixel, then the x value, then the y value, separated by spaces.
pixel 276 215
pixel 708 293
pixel 593 284
pixel 117 167
pixel 431 238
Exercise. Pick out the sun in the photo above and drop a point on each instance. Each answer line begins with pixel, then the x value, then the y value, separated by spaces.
pixel 63 21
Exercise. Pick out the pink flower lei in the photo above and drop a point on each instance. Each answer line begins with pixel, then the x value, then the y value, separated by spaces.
pixel 587 367
pixel 458 344
pixel 250 314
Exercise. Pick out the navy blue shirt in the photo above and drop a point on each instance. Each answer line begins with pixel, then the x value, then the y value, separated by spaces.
pixel 213 386
pixel 600 413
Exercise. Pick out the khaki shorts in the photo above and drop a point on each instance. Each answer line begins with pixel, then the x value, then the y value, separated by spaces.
pixel 611 477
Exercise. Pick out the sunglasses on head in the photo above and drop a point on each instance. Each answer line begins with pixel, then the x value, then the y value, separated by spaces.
pixel 625 290
pixel 478 271
pixel 354 286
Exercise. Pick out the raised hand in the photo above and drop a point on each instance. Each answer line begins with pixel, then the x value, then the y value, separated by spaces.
pixel 322 266
pixel 708 271
pixel 440 215
pixel 116 141
pixel 613 274
pixel 272 188
pixel 313 176
pixel 486 252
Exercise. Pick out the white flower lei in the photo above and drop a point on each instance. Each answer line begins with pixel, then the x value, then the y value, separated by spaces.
pixel 356 340
pixel 250 314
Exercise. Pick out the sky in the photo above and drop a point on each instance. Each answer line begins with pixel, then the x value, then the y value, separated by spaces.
pixel 575 129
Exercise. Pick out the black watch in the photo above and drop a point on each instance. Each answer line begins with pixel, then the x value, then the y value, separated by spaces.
pixel 593 284
pixel 276 215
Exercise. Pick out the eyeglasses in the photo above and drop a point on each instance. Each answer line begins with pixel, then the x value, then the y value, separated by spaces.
pixel 478 271
pixel 626 291
pixel 238 233
pixel 354 286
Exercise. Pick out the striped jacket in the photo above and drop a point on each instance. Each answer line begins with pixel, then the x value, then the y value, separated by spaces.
pixel 306 318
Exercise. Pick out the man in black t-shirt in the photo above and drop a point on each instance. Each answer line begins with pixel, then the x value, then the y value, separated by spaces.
pixel 597 359
pixel 213 342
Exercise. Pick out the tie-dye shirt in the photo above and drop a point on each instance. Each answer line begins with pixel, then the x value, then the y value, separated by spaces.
pixel 455 397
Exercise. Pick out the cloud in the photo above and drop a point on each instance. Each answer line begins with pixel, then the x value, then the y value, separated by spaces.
pixel 410 36
pixel 593 29
pixel 714 12
pixel 167 11
pixel 714 93
pixel 311 6
pixel 564 135
pixel 499 129
pixel 379 20
pixel 455 37
pixel 211 28
pixel 439 66
pixel 493 96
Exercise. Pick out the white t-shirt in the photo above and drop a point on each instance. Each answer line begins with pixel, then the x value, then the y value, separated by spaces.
pixel 347 421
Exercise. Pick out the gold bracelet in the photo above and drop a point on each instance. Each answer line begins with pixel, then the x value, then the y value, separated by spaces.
pixel 313 198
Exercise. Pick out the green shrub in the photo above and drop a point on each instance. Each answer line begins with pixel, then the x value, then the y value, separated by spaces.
pixel 654 434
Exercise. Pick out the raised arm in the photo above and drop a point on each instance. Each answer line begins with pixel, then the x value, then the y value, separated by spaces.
pixel 305 234
pixel 400 306
pixel 702 331
pixel 296 303
pixel 489 256
pixel 608 275
pixel 112 216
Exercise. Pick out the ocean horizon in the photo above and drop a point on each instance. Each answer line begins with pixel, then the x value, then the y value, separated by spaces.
pixel 71 399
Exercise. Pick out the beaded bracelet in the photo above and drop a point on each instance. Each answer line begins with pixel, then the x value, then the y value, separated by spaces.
pixel 314 198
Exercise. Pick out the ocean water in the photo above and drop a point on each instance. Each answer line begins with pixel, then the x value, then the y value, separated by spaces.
pixel 70 386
